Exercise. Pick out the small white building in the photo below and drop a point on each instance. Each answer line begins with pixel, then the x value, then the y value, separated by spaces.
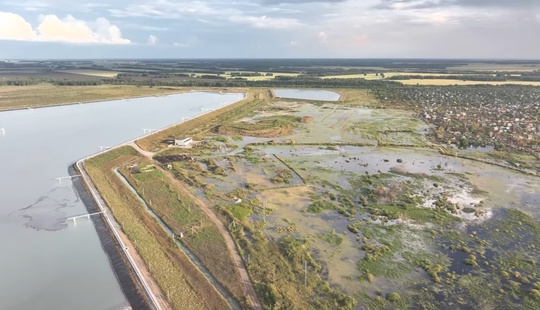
pixel 183 142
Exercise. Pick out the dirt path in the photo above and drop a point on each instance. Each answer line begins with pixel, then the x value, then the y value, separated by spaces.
pixel 239 264
pixel 143 152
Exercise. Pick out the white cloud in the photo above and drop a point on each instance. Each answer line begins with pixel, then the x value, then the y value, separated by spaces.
pixel 166 9
pixel 152 40
pixel 52 28
pixel 538 17
pixel 30 5
pixel 265 22
pixel 323 36
pixel 294 43
pixel 14 27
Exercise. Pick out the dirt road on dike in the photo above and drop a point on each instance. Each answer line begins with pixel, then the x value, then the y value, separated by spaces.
pixel 231 246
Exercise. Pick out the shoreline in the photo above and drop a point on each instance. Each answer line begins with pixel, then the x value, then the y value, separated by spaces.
pixel 123 271
pixel 181 91
pixel 127 268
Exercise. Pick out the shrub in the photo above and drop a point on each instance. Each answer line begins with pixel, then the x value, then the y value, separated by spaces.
pixel 370 277
pixel 393 297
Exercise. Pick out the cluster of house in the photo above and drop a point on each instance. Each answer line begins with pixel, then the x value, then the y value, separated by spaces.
pixel 483 115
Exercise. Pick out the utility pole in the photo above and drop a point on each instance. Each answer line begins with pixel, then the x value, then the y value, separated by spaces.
pixel 305 272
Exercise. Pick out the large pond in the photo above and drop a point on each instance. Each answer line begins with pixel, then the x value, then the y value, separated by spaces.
pixel 45 263
pixel 307 94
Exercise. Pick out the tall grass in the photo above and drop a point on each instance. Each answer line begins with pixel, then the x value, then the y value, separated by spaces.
pixel 183 216
pixel 182 284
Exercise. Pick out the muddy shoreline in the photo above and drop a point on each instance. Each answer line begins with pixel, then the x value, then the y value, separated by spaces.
pixel 130 285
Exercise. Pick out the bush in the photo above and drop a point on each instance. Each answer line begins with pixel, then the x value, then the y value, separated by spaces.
pixel 393 297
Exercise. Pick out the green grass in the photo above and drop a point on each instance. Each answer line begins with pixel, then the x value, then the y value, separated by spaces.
pixel 185 217
pixel 332 238
pixel 320 205
pixel 240 212
pixel 186 288
pixel 277 271
pixel 271 126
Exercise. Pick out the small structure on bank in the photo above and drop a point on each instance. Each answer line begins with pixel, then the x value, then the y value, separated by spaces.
pixel 186 141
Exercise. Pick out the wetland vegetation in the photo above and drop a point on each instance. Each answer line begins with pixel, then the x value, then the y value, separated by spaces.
pixel 339 212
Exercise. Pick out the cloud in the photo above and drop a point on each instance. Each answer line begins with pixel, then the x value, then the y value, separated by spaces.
pixel 427 4
pixel 294 43
pixel 265 22
pixel 322 36
pixel 152 40
pixel 166 9
pixel 30 5
pixel 189 42
pixel 52 28
pixel 301 1
pixel 14 27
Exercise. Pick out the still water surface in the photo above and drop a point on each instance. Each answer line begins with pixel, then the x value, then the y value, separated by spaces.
pixel 307 94
pixel 44 263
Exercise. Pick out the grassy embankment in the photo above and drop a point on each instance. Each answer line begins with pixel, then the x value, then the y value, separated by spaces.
pixel 17 97
pixel 183 216
pixel 272 126
pixel 184 286
pixel 202 124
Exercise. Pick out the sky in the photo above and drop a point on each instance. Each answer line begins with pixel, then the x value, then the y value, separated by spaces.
pixel 76 29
